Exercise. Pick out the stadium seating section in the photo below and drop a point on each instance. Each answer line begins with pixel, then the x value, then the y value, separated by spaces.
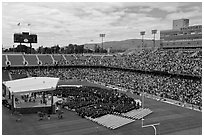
pixel 182 61
pixel 70 59
pixel 31 59
pixel 16 60
pixel 187 62
pixel 18 74
pixel 46 59
pixel 185 90
pixel 60 59
pixel 94 60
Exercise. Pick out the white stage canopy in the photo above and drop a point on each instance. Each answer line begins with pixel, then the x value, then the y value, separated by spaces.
pixel 31 84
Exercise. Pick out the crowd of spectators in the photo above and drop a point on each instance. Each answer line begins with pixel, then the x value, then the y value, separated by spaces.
pixel 173 61
pixel 182 61
pixel 180 89
pixel 187 62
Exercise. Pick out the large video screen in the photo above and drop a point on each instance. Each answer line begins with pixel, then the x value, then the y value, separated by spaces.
pixel 25 38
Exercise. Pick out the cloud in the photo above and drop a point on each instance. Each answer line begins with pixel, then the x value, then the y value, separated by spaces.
pixel 195 12
pixel 64 23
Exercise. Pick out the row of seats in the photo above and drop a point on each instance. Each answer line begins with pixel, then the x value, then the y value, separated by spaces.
pixel 137 114
pixel 32 60
pixel 111 121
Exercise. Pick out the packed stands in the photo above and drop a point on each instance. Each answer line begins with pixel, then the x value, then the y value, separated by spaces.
pixel 46 59
pixel 19 74
pixel 81 60
pixel 16 60
pixel 94 60
pixel 180 61
pixel 107 60
pixel 180 89
pixel 31 59
pixel 172 61
pixel 70 59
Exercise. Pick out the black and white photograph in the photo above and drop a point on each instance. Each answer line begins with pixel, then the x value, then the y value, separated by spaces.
pixel 101 68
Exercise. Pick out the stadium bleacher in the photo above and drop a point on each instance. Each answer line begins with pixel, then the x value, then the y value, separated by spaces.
pixel 59 58
pixel 70 59
pixel 106 60
pixel 31 59
pixel 173 61
pixel 81 60
pixel 16 59
pixel 46 59
pixel 18 74
pixel 94 60
pixel 179 61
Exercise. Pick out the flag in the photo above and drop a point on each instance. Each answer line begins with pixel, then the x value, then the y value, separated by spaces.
pixel 19 24
pixel 28 24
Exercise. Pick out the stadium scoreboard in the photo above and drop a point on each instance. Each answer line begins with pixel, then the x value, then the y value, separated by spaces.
pixel 25 37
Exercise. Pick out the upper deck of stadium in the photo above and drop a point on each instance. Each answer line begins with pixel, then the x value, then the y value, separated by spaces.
pixel 175 61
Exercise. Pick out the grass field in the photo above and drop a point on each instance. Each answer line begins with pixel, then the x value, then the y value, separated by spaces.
pixel 174 120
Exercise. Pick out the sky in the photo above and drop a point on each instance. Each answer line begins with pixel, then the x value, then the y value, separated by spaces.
pixel 81 22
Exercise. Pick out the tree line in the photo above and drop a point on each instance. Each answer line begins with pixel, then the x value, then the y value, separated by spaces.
pixel 56 49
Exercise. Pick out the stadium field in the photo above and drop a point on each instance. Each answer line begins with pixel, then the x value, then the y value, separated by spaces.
pixel 174 120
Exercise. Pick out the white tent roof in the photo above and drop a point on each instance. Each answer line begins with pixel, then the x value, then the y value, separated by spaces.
pixel 32 84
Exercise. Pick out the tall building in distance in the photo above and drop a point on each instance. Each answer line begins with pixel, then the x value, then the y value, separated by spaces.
pixel 181 35
pixel 180 23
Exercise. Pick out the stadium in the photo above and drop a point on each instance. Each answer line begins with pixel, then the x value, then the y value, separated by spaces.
pixel 151 91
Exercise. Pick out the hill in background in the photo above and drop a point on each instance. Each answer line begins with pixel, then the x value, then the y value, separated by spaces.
pixel 125 44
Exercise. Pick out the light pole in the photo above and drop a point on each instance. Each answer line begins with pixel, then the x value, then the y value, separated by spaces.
pixel 102 36
pixel 142 33
pixel 154 32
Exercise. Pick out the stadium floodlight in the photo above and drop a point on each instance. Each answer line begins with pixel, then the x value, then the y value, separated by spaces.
pixel 102 36
pixel 154 32
pixel 142 33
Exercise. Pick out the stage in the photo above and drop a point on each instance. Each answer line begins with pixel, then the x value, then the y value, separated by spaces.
pixel 30 95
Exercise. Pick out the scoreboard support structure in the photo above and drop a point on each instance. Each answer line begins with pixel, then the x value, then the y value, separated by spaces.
pixel 30 48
